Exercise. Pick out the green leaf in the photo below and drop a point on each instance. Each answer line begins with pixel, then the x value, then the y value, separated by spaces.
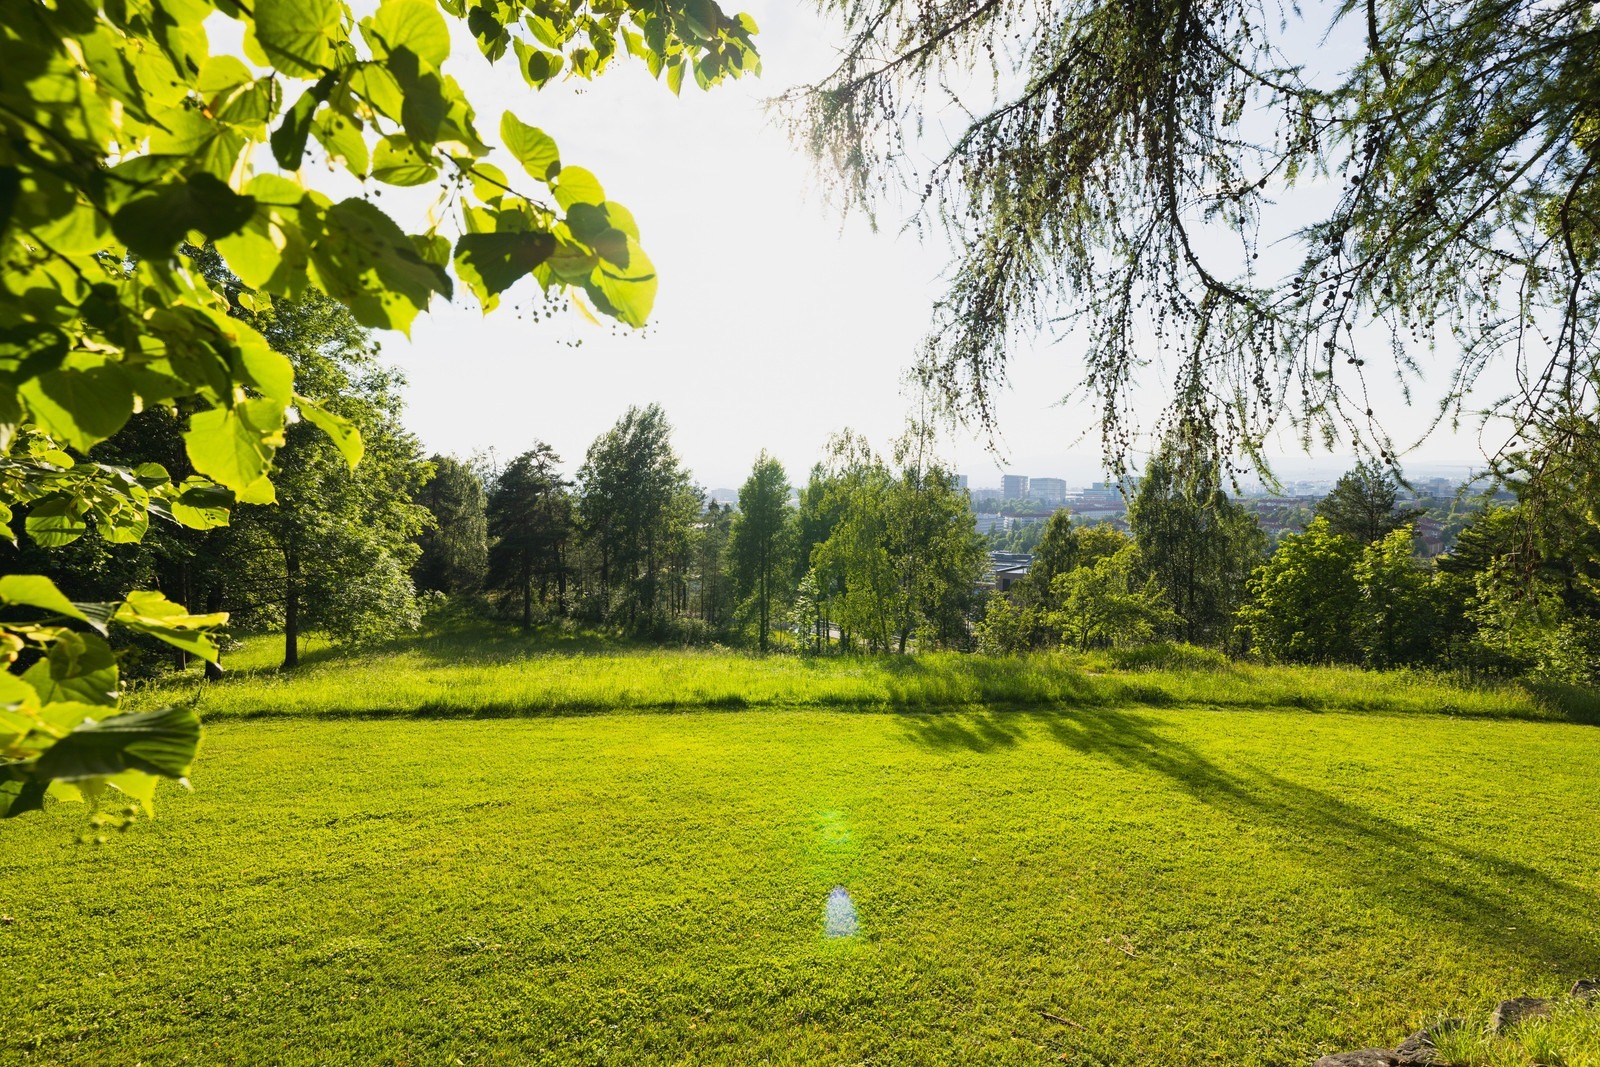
pixel 153 223
pixel 78 668
pixel 81 405
pixel 268 371
pixel 233 446
pixel 630 293
pixel 411 24
pixel 575 185
pixel 491 263
pixel 298 35
pixel 346 437
pixel 55 521
pixel 367 262
pixel 397 162
pixel 160 742
pixel 341 137
pixel 20 795
pixel 531 146
pixel 289 139
pixel 36 591
pixel 150 612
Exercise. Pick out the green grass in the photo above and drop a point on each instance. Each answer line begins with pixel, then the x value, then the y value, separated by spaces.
pixel 1093 882
pixel 488 671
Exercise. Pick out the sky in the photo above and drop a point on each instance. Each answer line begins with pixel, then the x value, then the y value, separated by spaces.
pixel 779 319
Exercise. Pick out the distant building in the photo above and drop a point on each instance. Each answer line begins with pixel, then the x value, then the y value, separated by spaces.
pixel 981 495
pixel 988 522
pixel 961 481
pixel 1048 490
pixel 1014 486
pixel 1008 568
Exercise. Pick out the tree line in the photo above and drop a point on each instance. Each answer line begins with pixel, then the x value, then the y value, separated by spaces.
pixel 875 552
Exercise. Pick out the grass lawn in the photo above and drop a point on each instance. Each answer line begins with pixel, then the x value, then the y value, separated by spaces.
pixel 1126 878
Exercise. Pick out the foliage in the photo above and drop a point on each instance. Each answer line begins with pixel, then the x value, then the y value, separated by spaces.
pixel 335 552
pixel 455 547
pixel 60 731
pixel 1119 171
pixel 530 521
pixel 1107 604
pixel 1396 622
pixel 1194 539
pixel 758 544
pixel 1304 598
pixel 126 143
pixel 1363 504
pixel 901 557
pixel 636 505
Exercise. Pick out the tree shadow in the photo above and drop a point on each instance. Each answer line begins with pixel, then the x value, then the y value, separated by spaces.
pixel 1422 874
pixel 977 731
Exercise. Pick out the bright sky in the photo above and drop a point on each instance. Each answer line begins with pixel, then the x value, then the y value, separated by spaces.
pixel 777 322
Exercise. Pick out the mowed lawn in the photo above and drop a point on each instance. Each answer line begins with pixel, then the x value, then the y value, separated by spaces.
pixel 1092 884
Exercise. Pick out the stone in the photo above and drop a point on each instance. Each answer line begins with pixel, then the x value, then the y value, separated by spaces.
pixel 1509 1013
pixel 1367 1057
pixel 1418 1048
pixel 1586 989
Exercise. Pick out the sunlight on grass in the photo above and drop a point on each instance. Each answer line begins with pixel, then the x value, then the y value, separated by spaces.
pixel 490 671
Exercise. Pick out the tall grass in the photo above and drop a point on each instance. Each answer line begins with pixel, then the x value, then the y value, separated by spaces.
pixel 488 671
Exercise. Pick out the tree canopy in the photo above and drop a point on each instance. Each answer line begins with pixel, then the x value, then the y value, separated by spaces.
pixel 1120 169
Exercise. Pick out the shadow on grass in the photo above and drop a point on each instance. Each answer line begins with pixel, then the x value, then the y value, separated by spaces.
pixel 1461 888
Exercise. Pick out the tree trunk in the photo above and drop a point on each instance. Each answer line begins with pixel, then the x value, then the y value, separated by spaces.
pixel 291 609
pixel 214 603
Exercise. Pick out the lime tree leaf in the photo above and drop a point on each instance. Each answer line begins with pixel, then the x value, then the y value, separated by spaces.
pixel 415 25
pixel 78 668
pixel 367 262
pixel 152 613
pixel 491 263
pixel 37 591
pixel 54 522
pixel 346 437
pixel 289 139
pixel 138 785
pixel 20 795
pixel 153 223
pixel 628 294
pixel 15 693
pixel 298 35
pixel 233 446
pixel 82 406
pixel 397 162
pixel 575 185
pixel 160 742
pixel 340 136
pixel 266 370
pixel 532 147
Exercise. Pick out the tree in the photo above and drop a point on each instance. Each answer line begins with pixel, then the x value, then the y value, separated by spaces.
pixel 1200 545
pixel 711 552
pixel 1304 600
pixel 530 519
pixel 335 552
pixel 1363 503
pixel 1107 604
pixel 758 544
pixel 1397 623
pixel 454 553
pixel 636 505
pixel 1117 172
pixel 123 135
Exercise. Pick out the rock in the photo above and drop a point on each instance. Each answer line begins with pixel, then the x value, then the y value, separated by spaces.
pixel 1418 1048
pixel 1509 1013
pixel 1367 1057
pixel 1586 989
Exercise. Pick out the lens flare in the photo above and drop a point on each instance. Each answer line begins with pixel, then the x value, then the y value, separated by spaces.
pixel 839 916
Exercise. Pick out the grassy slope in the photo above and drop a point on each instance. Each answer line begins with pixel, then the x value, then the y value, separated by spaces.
pixel 1182 885
pixel 488 671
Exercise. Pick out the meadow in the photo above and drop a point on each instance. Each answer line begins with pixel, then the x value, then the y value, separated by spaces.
pixel 474 849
